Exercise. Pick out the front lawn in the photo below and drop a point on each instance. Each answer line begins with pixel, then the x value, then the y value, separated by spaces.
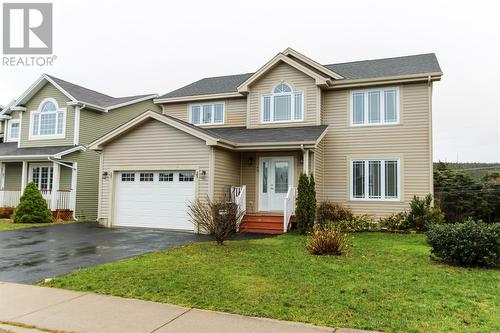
pixel 386 282
pixel 7 224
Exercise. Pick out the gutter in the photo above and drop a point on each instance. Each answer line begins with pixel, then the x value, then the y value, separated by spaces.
pixel 61 163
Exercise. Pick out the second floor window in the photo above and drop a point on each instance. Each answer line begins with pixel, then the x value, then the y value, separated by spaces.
pixel 48 120
pixel 283 105
pixel 13 130
pixel 207 114
pixel 375 106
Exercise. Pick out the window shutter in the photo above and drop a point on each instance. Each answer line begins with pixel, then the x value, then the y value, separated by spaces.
pixel 299 107
pixel 218 113
pixel 195 114
pixel 36 123
pixel 266 101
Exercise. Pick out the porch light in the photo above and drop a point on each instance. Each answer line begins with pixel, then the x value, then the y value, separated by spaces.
pixel 250 160
pixel 301 159
pixel 105 175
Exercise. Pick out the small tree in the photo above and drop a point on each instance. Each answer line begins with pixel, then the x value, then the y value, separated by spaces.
pixel 217 218
pixel 32 207
pixel 305 209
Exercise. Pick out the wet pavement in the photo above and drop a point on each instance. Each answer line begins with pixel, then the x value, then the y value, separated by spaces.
pixel 31 255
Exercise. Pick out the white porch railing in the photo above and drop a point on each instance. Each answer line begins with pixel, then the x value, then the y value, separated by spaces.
pixel 289 207
pixel 12 198
pixel 239 197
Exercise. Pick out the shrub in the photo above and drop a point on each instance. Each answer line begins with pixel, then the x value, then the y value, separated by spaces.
pixel 358 223
pixel 6 212
pixel 330 211
pixel 217 218
pixel 305 210
pixel 467 244
pixel 32 207
pixel 395 221
pixel 327 239
pixel 422 214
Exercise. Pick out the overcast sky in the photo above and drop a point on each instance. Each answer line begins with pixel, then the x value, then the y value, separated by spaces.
pixel 134 47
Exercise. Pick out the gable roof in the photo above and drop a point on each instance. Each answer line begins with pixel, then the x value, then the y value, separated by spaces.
pixel 237 138
pixel 79 95
pixel 420 64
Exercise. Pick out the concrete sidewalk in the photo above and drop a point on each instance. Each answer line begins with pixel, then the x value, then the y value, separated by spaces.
pixel 69 311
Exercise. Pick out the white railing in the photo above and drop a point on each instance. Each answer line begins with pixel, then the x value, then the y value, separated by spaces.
pixel 289 207
pixel 12 198
pixel 239 197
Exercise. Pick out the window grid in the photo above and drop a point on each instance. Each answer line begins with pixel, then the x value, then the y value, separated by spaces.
pixel 49 121
pixel 128 177
pixel 146 177
pixel 283 105
pixel 42 177
pixel 375 179
pixel 207 114
pixel 166 177
pixel 375 107
pixel 186 176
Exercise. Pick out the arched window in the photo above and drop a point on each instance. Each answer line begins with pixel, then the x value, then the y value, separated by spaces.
pixel 283 105
pixel 48 120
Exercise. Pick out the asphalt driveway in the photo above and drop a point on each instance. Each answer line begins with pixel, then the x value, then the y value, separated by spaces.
pixel 31 255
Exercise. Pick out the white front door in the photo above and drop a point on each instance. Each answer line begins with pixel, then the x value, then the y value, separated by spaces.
pixel 275 176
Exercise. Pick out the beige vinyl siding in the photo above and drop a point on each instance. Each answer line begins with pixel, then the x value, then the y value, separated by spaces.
pixel 318 170
pixel 299 82
pixel 87 183
pixel 250 174
pixel 153 145
pixel 227 171
pixel 94 124
pixel 408 141
pixel 235 111
pixel 48 90
pixel 13 172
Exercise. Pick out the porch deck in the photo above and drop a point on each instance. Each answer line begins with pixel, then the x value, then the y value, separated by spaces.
pixel 64 198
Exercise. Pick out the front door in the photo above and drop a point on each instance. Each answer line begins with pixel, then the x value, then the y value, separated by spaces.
pixel 275 176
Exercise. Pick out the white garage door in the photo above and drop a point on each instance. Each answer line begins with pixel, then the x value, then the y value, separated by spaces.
pixel 154 199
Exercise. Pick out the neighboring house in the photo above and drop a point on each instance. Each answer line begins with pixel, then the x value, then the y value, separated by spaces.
pixel 362 128
pixel 46 132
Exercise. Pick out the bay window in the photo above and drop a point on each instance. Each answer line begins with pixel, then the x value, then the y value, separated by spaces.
pixel 48 121
pixel 282 105
pixel 375 179
pixel 375 106
pixel 207 114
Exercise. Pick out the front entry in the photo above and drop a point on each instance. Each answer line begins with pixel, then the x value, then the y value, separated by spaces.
pixel 275 176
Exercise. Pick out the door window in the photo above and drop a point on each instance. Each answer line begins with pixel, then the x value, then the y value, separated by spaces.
pixel 42 177
pixel 281 177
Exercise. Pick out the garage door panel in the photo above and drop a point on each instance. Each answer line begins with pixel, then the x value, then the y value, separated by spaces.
pixel 153 204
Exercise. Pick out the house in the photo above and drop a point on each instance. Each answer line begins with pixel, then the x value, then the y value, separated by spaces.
pixel 46 132
pixel 364 129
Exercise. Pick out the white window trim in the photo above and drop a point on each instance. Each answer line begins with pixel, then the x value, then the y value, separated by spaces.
pixel 9 130
pixel 41 165
pixel 292 107
pixel 382 179
pixel 212 123
pixel 382 107
pixel 47 136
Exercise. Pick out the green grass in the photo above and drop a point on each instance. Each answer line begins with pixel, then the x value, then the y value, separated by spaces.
pixel 386 282
pixel 7 224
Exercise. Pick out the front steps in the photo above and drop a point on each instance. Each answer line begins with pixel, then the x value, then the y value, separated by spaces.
pixel 263 223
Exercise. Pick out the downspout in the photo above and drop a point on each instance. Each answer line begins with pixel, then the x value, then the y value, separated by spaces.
pixel 431 155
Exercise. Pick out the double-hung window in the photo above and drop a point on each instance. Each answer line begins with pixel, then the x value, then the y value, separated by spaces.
pixel 13 131
pixel 375 106
pixel 282 105
pixel 207 114
pixel 48 121
pixel 375 179
pixel 42 177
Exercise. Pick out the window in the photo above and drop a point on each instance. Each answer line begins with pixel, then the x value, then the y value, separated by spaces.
pixel 48 120
pixel 186 176
pixel 375 179
pixel 207 114
pixel 282 105
pixel 42 177
pixel 13 130
pixel 128 177
pixel 146 177
pixel 375 106
pixel 166 177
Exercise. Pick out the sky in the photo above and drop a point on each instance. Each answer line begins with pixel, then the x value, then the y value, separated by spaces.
pixel 136 47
